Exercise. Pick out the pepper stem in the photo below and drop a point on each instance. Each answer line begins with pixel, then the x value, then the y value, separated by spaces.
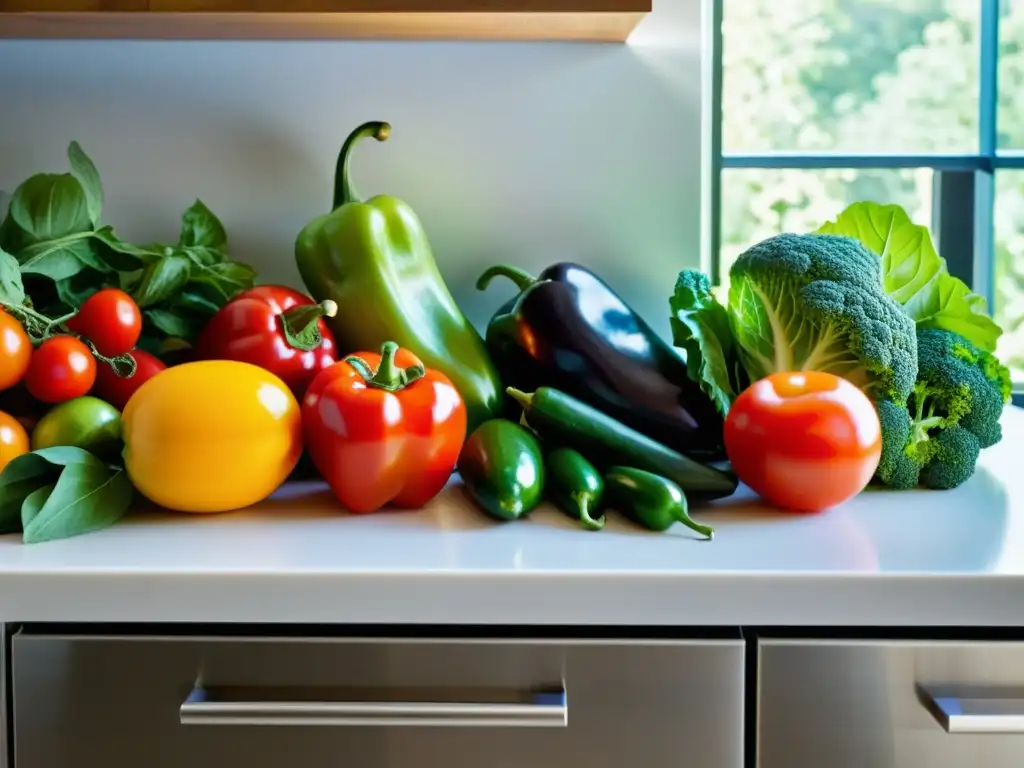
pixel 300 325
pixel 683 516
pixel 520 277
pixel 344 192
pixel 388 376
pixel 520 397
pixel 584 502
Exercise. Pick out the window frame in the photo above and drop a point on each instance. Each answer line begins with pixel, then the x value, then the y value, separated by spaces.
pixel 963 212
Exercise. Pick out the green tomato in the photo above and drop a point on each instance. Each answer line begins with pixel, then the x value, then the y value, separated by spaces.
pixel 84 422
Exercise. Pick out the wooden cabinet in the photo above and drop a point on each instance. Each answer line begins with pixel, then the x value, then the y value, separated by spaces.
pixel 570 20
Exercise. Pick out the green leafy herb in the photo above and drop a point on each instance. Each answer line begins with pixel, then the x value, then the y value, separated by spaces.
pixel 161 280
pixel 89 178
pixel 12 289
pixel 700 326
pixel 56 493
pixel 200 228
pixel 54 232
pixel 915 275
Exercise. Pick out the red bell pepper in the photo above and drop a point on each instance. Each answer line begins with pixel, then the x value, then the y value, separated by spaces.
pixel 275 327
pixel 381 429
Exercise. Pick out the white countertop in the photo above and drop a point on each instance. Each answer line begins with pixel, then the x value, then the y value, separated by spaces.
pixel 911 558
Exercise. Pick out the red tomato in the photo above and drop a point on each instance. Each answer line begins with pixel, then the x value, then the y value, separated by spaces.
pixel 117 390
pixel 111 320
pixel 62 368
pixel 804 441
pixel 15 351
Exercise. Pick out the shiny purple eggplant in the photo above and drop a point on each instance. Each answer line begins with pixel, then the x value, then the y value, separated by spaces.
pixel 568 329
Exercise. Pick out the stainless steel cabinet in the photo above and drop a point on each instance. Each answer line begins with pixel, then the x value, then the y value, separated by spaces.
pixel 890 704
pixel 206 702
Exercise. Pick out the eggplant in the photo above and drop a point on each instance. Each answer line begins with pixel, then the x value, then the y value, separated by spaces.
pixel 567 329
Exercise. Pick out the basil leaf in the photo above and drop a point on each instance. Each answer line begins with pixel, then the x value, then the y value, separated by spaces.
pixel 73 291
pixel 61 257
pixel 915 275
pixel 28 472
pixel 178 325
pixel 161 280
pixel 227 279
pixel 193 300
pixel 200 227
pixel 48 206
pixel 12 289
pixel 85 498
pixel 119 255
pixel 89 178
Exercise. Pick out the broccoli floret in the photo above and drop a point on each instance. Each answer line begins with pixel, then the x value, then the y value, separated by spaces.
pixel 816 302
pixel 952 414
pixel 897 467
pixel 954 458
pixel 959 384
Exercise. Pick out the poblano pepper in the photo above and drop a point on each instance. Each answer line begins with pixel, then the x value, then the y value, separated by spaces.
pixel 374 261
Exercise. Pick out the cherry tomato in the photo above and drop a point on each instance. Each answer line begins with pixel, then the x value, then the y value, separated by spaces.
pixel 117 390
pixel 15 351
pixel 62 368
pixel 13 439
pixel 111 320
pixel 803 441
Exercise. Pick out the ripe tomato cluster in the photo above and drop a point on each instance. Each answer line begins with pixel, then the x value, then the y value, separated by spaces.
pixel 63 367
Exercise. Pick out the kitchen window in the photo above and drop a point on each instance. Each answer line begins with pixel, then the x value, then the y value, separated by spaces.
pixel 820 103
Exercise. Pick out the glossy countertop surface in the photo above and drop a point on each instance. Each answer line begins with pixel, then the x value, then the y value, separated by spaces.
pixel 884 558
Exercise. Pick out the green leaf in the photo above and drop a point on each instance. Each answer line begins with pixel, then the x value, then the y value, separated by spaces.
pixel 34 503
pixel 85 498
pixel 915 275
pixel 161 280
pixel 28 472
pixel 89 178
pixel 193 300
pixel 62 257
pixel 12 289
pixel 48 206
pixel 228 278
pixel 700 326
pixel 204 256
pixel 73 291
pixel 180 325
pixel 200 227
pixel 119 255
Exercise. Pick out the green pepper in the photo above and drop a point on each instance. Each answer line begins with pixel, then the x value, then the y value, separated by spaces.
pixel 374 261
pixel 651 500
pixel 575 486
pixel 502 467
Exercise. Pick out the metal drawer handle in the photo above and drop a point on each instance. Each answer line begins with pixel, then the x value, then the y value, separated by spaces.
pixel 975 709
pixel 339 707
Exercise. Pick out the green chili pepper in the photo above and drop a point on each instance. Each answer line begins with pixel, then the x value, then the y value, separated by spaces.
pixel 374 261
pixel 502 467
pixel 575 486
pixel 652 501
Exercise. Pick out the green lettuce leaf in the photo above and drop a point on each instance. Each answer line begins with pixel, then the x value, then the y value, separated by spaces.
pixel 915 275
pixel 700 327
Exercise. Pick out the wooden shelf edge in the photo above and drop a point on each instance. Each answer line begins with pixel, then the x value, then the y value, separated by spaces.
pixel 583 26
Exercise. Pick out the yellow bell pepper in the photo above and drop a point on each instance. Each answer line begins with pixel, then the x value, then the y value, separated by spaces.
pixel 211 436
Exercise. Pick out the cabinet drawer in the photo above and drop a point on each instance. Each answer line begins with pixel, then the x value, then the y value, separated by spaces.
pixel 890 704
pixel 167 702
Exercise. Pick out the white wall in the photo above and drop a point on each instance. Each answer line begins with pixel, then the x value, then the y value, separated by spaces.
pixel 524 152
